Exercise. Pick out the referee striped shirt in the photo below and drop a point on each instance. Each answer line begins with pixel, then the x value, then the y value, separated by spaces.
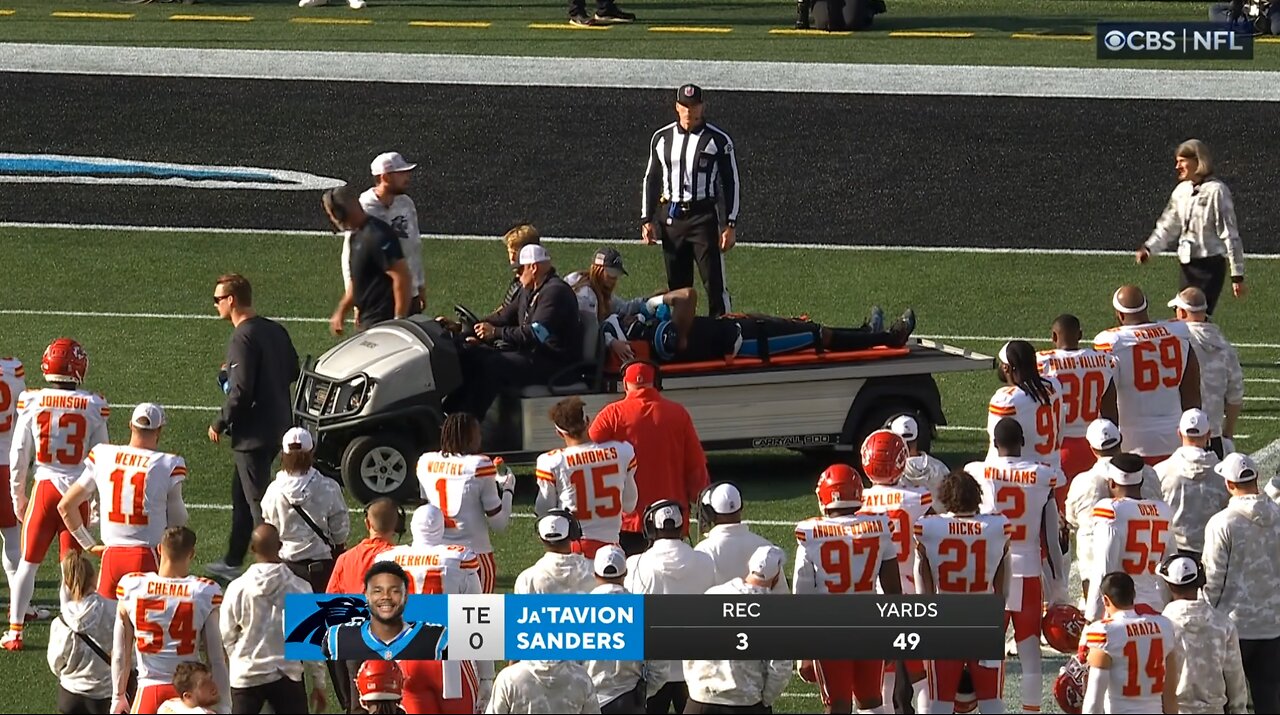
pixel 690 166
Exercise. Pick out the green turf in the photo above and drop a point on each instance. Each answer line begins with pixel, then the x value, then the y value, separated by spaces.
pixel 992 21
pixel 173 361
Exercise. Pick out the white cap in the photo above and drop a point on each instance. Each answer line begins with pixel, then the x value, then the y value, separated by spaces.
pixel 1194 423
pixel 1118 475
pixel 390 163
pixel 667 513
pixel 905 427
pixel 1179 570
pixel 1102 434
pixel 1237 468
pixel 147 415
pixel 553 527
pixel 427 525
pixel 1185 300
pixel 610 561
pixel 724 499
pixel 533 253
pixel 766 562
pixel 298 436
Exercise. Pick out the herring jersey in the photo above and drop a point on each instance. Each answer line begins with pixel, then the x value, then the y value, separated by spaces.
pixel 168 617
pixel 465 488
pixel 964 552
pixel 597 482
pixel 440 568
pixel 133 486
pixel 1133 536
pixel 1138 646
pixel 1041 423
pixel 1150 361
pixel 1084 374
pixel 355 641
pixel 903 505
pixel 1018 488
pixel 842 554
pixel 56 429
pixel 12 384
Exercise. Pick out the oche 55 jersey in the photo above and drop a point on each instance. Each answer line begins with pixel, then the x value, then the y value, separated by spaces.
pixel 56 429
pixel 903 505
pixel 1084 375
pixel 1150 361
pixel 443 568
pixel 1018 489
pixel 465 488
pixel 1138 646
pixel 133 490
pixel 1133 536
pixel 1041 423
pixel 168 617
pixel 964 552
pixel 597 482
pixel 842 554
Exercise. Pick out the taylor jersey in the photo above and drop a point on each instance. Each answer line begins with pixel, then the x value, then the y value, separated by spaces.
pixel 1018 488
pixel 13 383
pixel 1084 375
pixel 1150 361
pixel 442 568
pixel 168 617
pixel 964 552
pixel 1133 536
pixel 355 641
pixel 133 488
pixel 465 488
pixel 1138 646
pixel 597 482
pixel 1041 423
pixel 903 505
pixel 842 554
pixel 56 429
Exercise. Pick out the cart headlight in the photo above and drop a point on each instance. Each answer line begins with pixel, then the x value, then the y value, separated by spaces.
pixel 354 393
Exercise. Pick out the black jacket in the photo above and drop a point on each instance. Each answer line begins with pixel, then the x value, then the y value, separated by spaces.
pixel 261 366
pixel 554 306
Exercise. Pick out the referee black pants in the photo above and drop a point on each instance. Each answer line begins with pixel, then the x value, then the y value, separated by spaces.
pixel 695 238
pixel 1207 274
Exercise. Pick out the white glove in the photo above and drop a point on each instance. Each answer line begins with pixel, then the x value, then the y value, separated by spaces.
pixel 507 482
pixel 484 694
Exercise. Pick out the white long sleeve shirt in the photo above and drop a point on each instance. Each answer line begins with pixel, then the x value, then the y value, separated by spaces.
pixel 78 668
pixel 1201 221
pixel 1195 493
pixel 737 682
pixel 556 573
pixel 670 566
pixel 1212 676
pixel 1242 565
pixel 252 625
pixel 319 496
pixel 730 547
pixel 615 678
pixel 544 686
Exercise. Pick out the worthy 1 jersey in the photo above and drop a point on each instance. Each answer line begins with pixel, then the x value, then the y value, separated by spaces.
pixel 56 429
pixel 903 505
pixel 1150 361
pixel 465 488
pixel 168 617
pixel 594 481
pixel 1018 489
pixel 964 552
pixel 12 384
pixel 842 554
pixel 1084 375
pixel 1133 536
pixel 441 568
pixel 1041 423
pixel 133 486
pixel 1138 646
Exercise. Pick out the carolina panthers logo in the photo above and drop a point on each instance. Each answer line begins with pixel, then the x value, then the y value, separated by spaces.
pixel 334 612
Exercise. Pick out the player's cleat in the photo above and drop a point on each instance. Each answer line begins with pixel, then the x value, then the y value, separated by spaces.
pixel 902 328
pixel 613 15
pixel 876 323
pixel 357 4
pixel 582 20
pixel 312 3
pixel 224 571
pixel 37 613
pixel 11 641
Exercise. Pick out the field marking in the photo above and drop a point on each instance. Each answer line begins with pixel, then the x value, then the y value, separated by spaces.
pixel 809 33
pixel 932 34
pixel 1269 380
pixel 211 18
pixel 566 26
pixel 1267 40
pixel 691 29
pixel 93 15
pixel 1261 399
pixel 329 21
pixel 450 24
pixel 7 13
pixel 1047 36
pixel 827 78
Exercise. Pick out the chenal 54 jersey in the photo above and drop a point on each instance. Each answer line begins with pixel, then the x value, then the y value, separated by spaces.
pixel 441 568
pixel 1018 488
pixel 168 617
pixel 1084 374
pixel 56 429
pixel 597 482
pixel 1041 423
pixel 133 491
pixel 842 554
pixel 464 487
pixel 13 383
pixel 1138 646
pixel 1133 536
pixel 964 552
pixel 903 505
pixel 1150 361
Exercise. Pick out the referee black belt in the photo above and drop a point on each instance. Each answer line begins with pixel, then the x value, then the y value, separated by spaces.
pixel 680 209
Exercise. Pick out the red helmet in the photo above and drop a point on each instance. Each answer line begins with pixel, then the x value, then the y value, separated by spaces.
pixel 1068 689
pixel 965 703
pixel 380 680
pixel 884 457
pixel 840 487
pixel 1062 626
pixel 64 361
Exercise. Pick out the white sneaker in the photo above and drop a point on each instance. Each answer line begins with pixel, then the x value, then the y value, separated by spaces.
pixel 356 4
pixel 312 3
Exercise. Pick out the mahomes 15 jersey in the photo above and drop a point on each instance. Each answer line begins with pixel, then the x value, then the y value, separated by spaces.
pixel 441 568
pixel 133 488
pixel 13 383
pixel 1133 536
pixel 1150 361
pixel 1084 374
pixel 1018 488
pixel 964 552
pixel 597 482
pixel 56 429
pixel 903 505
pixel 1041 423
pixel 842 554
pixel 465 488
pixel 168 617
pixel 1138 646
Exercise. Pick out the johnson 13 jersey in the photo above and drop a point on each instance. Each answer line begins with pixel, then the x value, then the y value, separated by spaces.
pixel 440 568
pixel 842 554
pixel 1138 646
pixel 168 617
pixel 597 482
pixel 13 383
pixel 465 488
pixel 56 429
pixel 1041 423
pixel 964 552
pixel 1018 488
pixel 1084 374
pixel 133 488
pixel 1150 361
pixel 1133 536
pixel 903 505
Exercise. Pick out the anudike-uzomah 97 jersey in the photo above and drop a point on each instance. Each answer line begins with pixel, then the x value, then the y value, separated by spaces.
pixel 133 487
pixel 1150 361
pixel 1084 375
pixel 1041 423
pixel 1138 646
pixel 442 568
pixel 1133 536
pixel 597 482
pixel 56 429
pixel 168 616
pixel 464 487
pixel 1018 488
pixel 842 554
pixel 964 552
pixel 903 505
pixel 13 383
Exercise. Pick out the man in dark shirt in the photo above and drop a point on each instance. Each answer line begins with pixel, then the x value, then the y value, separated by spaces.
pixel 261 366
pixel 381 286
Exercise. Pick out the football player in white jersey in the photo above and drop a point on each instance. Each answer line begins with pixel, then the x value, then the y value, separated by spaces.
pixel 845 550
pixel 1133 658
pixel 13 383
pixel 163 619
pixel 1087 377
pixel 56 428
pixel 963 551
pixel 464 484
pixel 1132 535
pixel 1157 375
pixel 1031 399
pixel 595 482
pixel 1021 489
pixel 140 489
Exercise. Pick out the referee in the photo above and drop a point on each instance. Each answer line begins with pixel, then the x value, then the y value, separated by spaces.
pixel 691 164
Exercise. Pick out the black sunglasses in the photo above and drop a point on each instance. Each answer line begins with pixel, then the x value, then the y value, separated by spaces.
pixel 219 298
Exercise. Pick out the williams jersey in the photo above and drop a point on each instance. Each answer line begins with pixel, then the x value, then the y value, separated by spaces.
pixel 1018 488
pixel 1138 646
pixel 465 488
pixel 1041 423
pixel 964 552
pixel 842 554
pixel 442 568
pixel 354 641
pixel 168 617
pixel 1133 536
pixel 903 505
pixel 133 488
pixel 596 482
pixel 1150 361
pixel 13 383
pixel 1084 374
pixel 55 430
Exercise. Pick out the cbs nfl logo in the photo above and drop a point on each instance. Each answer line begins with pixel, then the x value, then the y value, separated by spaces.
pixel 1172 41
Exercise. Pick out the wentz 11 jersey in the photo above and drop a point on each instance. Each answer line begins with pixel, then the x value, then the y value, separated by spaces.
pixel 168 617
pixel 133 488
pixel 465 488
pixel 842 554
pixel 964 552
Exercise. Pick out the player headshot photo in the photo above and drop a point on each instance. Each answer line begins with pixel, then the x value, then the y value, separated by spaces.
pixel 386 635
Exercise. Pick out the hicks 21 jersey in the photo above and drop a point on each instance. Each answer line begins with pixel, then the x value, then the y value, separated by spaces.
pixel 1018 488
pixel 1138 646
pixel 12 384
pixel 133 491
pixel 168 617
pixel 1041 423
pixel 1084 374
pixel 842 554
pixel 594 481
pixel 464 488
pixel 56 429
pixel 964 552
pixel 903 505
pixel 1150 361
pixel 442 568
pixel 1133 536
